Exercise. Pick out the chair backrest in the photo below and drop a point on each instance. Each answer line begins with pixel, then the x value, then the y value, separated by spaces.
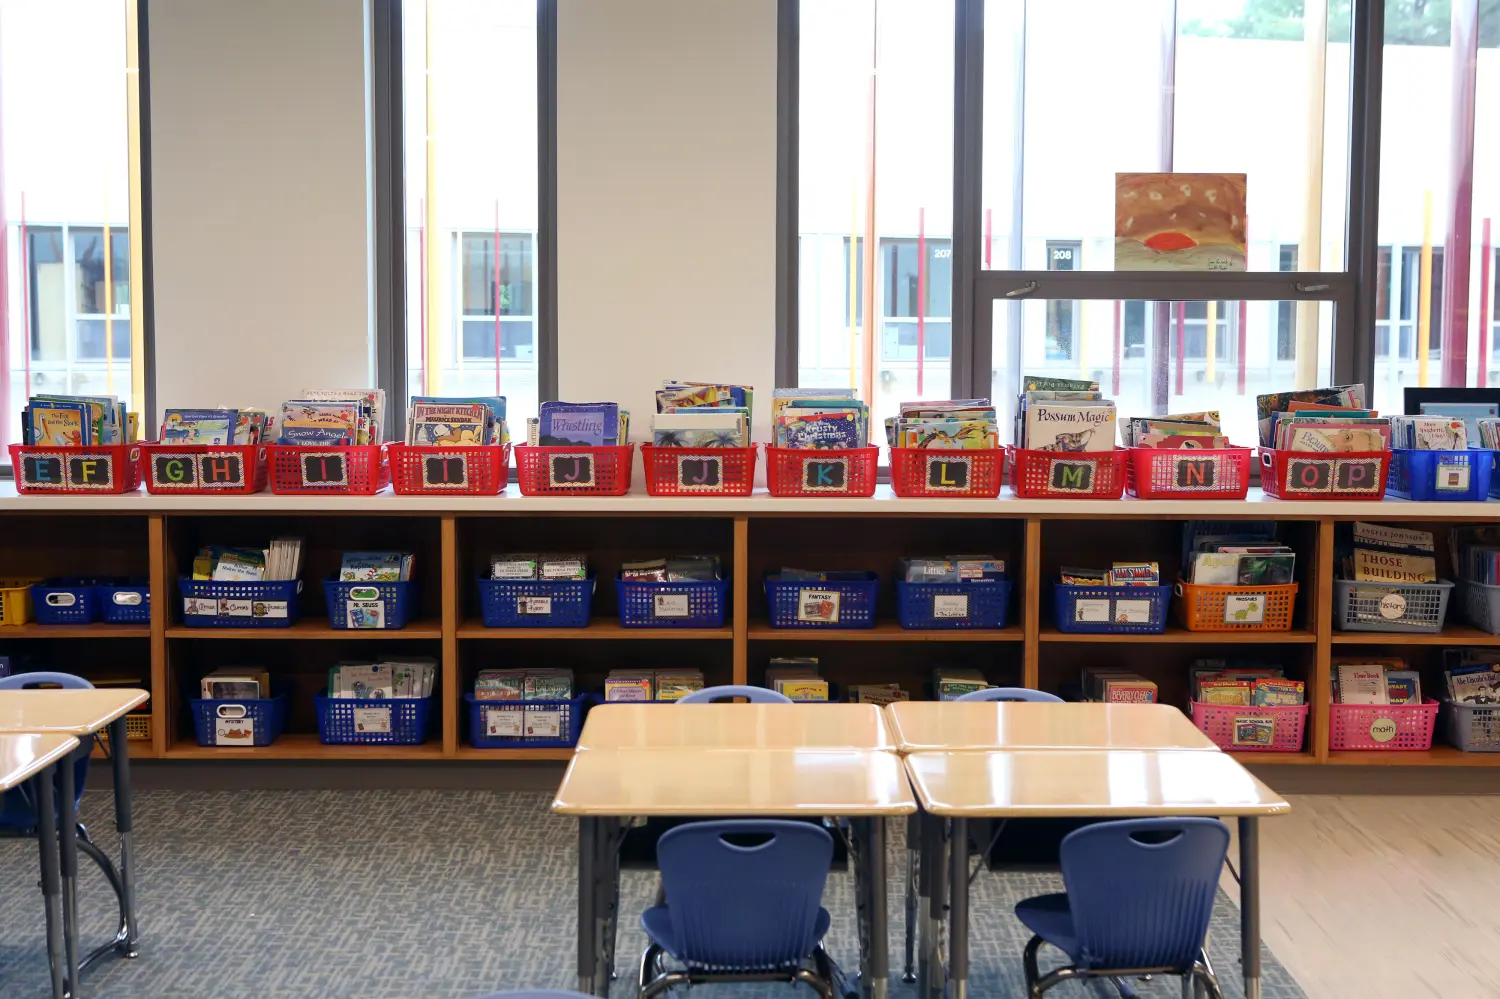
pixel 755 695
pixel 744 894
pixel 17 810
pixel 1141 891
pixel 1009 694
pixel 67 681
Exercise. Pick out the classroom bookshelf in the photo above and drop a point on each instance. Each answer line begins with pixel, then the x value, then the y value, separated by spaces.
pixel 153 538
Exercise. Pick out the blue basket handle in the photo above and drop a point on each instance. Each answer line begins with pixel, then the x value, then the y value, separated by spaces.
pixel 61 598
pixel 127 598
pixel 221 710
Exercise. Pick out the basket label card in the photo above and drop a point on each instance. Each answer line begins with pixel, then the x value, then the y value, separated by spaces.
pixel 544 724
pixel 42 471
pixel 1196 473
pixel 1132 611
pixel 825 475
pixel 1091 611
pixel 1254 731
pixel 268 608
pixel 1244 608
pixel 818 606
pixel 504 723
pixel 1451 476
pixel 174 471
pixel 700 472
pixel 1353 476
pixel 533 605
pixel 92 472
pixel 68 471
pixel 669 605
pixel 1072 476
pixel 950 605
pixel 1392 606
pixel 445 471
pixel 372 721
pixel 220 471
pixel 570 471
pixel 325 468
pixel 949 474
pixel 364 613
pixel 1383 729
pixel 234 731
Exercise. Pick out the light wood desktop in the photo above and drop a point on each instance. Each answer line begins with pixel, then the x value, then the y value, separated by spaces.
pixel 23 756
pixel 941 725
pixel 736 726
pixel 74 712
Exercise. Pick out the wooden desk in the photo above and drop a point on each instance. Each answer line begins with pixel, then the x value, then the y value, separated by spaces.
pixel 736 726
pixel 1106 784
pixel 74 712
pixel 26 757
pixel 937 725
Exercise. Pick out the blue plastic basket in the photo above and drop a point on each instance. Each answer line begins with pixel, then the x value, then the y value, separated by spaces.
pixel 374 606
pixel 1065 599
pixel 566 717
pixel 671 605
pixel 562 603
pixel 1437 476
pixel 124 603
pixel 392 721
pixel 265 717
pixel 220 604
pixel 65 601
pixel 966 604
pixel 856 602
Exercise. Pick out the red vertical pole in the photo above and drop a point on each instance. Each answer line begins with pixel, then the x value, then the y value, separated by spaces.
pixel 1181 323
pixel 422 285
pixel 1486 263
pixel 497 296
pixel 921 296
pixel 1239 364
pixel 1457 247
pixel 1115 375
pixel 989 235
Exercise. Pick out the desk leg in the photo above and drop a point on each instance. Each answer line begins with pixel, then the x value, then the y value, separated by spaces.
pixel 607 905
pixel 958 911
pixel 67 810
pixel 879 971
pixel 47 847
pixel 913 896
pixel 588 951
pixel 932 975
pixel 1250 904
pixel 120 757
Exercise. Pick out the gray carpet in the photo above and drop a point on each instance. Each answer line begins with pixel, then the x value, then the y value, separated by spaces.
pixel 415 895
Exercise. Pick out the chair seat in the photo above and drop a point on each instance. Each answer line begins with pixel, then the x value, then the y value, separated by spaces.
pixel 1049 917
pixel 657 922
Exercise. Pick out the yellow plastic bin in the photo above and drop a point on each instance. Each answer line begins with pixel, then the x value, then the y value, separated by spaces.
pixel 15 602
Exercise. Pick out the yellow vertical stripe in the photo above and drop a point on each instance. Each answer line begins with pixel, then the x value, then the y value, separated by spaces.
pixel 1424 293
pixel 1310 247
pixel 137 212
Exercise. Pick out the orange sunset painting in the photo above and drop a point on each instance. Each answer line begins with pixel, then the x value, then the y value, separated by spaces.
pixel 1180 221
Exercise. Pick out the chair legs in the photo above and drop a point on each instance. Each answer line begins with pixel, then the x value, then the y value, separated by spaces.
pixel 654 979
pixel 1198 982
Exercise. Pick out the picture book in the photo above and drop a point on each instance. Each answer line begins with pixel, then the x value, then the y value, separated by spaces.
pixel 815 430
pixel 59 424
pixel 1345 396
pixel 1060 426
pixel 370 427
pixel 1360 683
pixel 701 428
pixel 375 567
pixel 199 426
pixel 580 424
pixel 1469 412
pixel 1403 686
pixel 1373 565
pixel 1429 433
pixel 1276 691
pixel 442 424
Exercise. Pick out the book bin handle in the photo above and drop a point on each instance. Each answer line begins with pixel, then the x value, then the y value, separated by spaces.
pixel 231 711
pixel 1177 588
pixel 1266 460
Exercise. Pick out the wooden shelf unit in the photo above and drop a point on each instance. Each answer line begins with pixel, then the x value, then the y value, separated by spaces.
pixel 134 535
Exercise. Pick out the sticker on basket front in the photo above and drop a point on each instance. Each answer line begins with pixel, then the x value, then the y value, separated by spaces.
pixel 236 608
pixel 1195 473
pixel 68 471
pixel 504 723
pixel 570 471
pixel 364 613
pixel 1323 475
pixel 545 724
pixel 199 607
pixel 1392 606
pixel 1254 731
pixel 1383 730
pixel 818 606
pixel 669 605
pixel 62 599
pixel 948 606
pixel 949 474
pixel 448 471
pixel 1091 611
pixel 825 475
pixel 1451 476
pixel 269 609
pixel 217 470
pixel 1132 612
pixel 174 471
pixel 533 605
pixel 1245 608
pixel 234 731
pixel 1072 476
pixel 325 468
pixel 372 721
pixel 700 472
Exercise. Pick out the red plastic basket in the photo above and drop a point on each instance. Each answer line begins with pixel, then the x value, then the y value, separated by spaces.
pixel 963 474
pixel 574 471
pixel 103 468
pixel 1179 474
pixel 423 470
pixel 682 471
pixel 204 469
pixel 1067 474
pixel 1265 729
pixel 1382 726
pixel 349 470
pixel 1353 475
pixel 821 471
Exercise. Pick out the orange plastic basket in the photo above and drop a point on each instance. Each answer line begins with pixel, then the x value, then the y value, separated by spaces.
pixel 1236 608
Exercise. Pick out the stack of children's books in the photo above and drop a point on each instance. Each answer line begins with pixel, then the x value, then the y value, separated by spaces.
pixel 551 684
pixel 76 421
pixel 1429 433
pixel 463 421
pixel 1064 414
pixel 1176 432
pixel 545 566
pixel 579 424
pixel 1235 553
pixel 879 694
pixel 1119 574
pixel 672 569
pixel 215 426
pixel 1219 681
pixel 702 415
pixel 1476 553
pixel 1111 685
pixel 1377 553
pixel 951 569
pixel 376 567
pixel 1323 420
pixel 235 683
pixel 946 425
pixel 392 677
pixel 666 684
pixel 1376 681
pixel 797 678
pixel 1472 676
pixel 282 560
pixel 813 418
pixel 333 418
pixel 949 683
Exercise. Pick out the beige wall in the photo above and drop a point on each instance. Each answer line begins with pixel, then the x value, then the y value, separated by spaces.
pixel 260 199
pixel 666 179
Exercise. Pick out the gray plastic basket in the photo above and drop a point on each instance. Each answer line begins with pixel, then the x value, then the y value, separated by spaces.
pixel 1474 728
pixel 1363 606
pixel 1482 606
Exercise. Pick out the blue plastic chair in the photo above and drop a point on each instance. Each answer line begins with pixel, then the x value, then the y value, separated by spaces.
pixel 755 695
pixel 1011 694
pixel 17 809
pixel 538 994
pixel 745 905
pixel 1139 896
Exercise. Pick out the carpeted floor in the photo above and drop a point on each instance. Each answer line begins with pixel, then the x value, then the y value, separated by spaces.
pixel 416 895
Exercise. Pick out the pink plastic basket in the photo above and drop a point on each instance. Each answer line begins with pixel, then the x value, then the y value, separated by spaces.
pixel 1381 726
pixel 1240 729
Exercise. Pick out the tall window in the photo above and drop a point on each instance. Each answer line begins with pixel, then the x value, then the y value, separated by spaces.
pixel 69 194
pixel 470 86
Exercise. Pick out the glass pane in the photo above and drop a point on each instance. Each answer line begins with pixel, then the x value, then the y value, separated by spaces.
pixel 1436 235
pixel 471 161
pixel 65 154
pixel 876 196
pixel 1159 357
pixel 1076 92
